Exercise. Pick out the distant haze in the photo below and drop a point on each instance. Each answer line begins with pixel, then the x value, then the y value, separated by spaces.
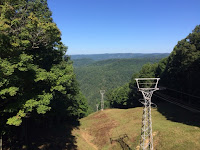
pixel 118 56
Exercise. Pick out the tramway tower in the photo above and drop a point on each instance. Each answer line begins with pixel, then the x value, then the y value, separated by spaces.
pixel 102 100
pixel 147 86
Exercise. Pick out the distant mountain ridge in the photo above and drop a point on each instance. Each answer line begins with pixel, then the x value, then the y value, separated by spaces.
pixel 98 57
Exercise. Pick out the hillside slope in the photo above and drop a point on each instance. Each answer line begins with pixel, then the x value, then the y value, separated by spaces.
pixel 106 74
pixel 97 129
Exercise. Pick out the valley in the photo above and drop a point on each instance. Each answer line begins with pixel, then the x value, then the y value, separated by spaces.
pixel 94 73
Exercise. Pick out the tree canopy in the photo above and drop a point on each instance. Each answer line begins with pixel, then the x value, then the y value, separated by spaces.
pixel 34 76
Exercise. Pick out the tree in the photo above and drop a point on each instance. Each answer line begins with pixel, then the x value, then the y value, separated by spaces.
pixel 34 77
pixel 182 67
pixel 118 97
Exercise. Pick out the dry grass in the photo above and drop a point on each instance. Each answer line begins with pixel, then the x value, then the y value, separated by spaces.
pixel 97 129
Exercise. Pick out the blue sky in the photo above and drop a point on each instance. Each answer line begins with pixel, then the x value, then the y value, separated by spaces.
pixel 124 26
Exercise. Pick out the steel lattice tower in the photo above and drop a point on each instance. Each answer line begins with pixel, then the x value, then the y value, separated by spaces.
pixel 97 105
pixel 102 100
pixel 147 86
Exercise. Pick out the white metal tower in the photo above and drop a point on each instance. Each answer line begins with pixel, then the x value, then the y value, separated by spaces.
pixel 102 100
pixel 97 105
pixel 147 86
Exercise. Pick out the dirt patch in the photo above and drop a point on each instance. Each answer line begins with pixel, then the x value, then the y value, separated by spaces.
pixel 101 129
pixel 155 133
pixel 88 138
pixel 99 115
pixel 156 138
pixel 138 147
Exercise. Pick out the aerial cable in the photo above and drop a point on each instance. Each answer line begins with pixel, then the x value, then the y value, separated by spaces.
pixel 174 99
pixel 174 102
pixel 182 92
pixel 178 104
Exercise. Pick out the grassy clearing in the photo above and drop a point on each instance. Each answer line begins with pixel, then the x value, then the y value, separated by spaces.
pixel 97 129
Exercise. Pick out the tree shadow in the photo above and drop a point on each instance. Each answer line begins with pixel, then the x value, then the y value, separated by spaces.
pixel 121 141
pixel 178 114
pixel 57 137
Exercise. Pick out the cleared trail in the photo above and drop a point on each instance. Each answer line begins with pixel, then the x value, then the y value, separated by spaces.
pixel 88 138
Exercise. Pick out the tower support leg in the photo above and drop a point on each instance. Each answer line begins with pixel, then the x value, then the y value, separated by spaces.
pixel 146 142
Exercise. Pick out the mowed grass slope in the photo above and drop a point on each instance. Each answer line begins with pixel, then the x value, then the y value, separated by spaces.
pixel 96 130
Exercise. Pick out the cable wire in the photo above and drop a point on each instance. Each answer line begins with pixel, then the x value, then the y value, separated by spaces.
pixel 177 100
pixel 182 92
pixel 178 104
pixel 164 97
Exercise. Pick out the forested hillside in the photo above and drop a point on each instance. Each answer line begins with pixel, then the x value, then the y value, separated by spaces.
pixel 179 75
pixel 38 88
pixel 98 57
pixel 107 74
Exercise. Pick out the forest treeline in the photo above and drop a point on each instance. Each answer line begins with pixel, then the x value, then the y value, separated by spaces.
pixel 108 74
pixel 37 83
pixel 179 75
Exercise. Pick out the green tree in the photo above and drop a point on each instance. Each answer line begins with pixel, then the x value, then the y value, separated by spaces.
pixel 118 97
pixel 182 67
pixel 34 77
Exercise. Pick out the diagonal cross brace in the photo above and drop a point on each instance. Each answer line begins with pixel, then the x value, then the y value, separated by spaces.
pixel 146 142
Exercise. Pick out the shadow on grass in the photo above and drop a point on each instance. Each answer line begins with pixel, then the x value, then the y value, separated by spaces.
pixel 58 137
pixel 178 114
pixel 121 141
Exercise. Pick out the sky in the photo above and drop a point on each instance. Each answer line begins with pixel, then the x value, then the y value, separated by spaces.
pixel 124 26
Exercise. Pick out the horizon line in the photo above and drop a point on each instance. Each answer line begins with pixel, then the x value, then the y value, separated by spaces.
pixel 120 53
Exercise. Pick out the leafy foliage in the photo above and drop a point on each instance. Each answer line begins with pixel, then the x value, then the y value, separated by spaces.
pixel 34 77
pixel 183 63
pixel 118 97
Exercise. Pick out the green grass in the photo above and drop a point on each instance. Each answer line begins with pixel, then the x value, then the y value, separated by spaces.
pixel 99 127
